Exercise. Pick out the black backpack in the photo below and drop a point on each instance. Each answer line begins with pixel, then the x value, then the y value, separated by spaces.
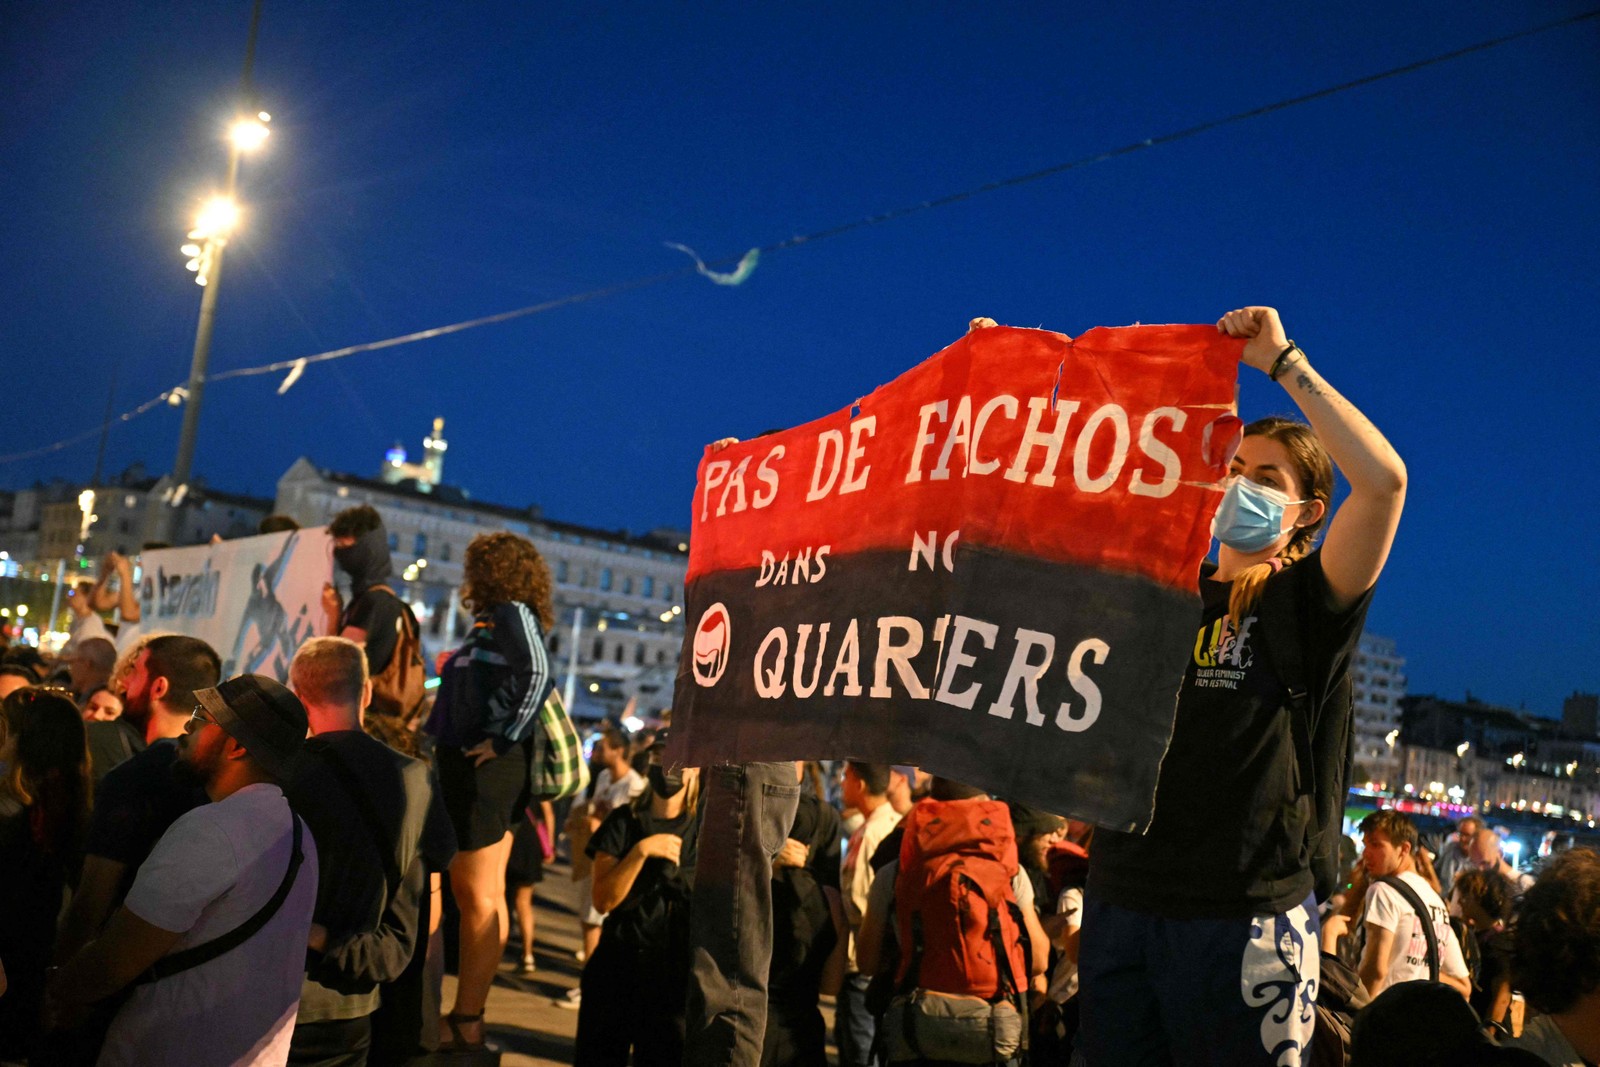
pixel 1322 725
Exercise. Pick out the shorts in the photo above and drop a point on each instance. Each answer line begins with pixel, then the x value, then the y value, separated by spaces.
pixel 526 866
pixel 484 802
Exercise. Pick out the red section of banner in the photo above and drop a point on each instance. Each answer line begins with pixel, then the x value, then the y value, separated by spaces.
pixel 1096 451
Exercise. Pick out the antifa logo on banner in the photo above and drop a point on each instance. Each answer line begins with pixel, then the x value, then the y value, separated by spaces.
pixel 711 639
pixel 987 567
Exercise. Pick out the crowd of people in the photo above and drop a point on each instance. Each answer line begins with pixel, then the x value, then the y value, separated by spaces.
pixel 198 869
pixel 209 870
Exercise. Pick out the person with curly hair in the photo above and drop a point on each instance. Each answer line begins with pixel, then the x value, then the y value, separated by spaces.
pixel 1555 960
pixel 490 694
pixel 45 792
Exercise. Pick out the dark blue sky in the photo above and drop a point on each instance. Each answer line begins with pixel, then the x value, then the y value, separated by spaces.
pixel 1430 239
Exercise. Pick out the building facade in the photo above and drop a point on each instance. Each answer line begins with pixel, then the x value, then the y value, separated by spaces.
pixel 1378 684
pixel 1490 757
pixel 125 514
pixel 617 596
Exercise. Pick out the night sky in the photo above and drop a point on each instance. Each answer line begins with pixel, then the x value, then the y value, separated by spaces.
pixel 1429 238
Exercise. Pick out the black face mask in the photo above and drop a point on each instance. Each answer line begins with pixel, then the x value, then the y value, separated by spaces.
pixel 666 785
pixel 367 561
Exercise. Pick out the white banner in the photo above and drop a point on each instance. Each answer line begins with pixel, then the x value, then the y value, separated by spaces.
pixel 255 599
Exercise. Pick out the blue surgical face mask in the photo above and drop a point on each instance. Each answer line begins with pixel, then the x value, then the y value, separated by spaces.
pixel 1250 517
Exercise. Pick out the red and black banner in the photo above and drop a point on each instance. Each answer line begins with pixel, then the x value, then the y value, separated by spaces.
pixel 986 568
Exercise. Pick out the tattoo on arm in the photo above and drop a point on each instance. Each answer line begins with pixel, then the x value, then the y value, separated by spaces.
pixel 1303 380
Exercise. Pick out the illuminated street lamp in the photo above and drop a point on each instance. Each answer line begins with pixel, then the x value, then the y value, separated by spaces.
pixel 216 221
pixel 248 134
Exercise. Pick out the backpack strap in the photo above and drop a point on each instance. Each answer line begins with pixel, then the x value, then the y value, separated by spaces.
pixel 908 1018
pixel 405 609
pixel 1003 961
pixel 125 736
pixel 172 964
pixel 1424 917
pixel 1282 636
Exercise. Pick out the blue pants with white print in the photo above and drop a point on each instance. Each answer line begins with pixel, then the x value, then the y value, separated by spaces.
pixel 1198 992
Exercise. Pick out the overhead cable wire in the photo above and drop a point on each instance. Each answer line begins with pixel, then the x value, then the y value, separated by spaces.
pixel 820 235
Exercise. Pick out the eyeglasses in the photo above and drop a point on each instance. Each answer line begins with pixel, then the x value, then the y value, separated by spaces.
pixel 202 716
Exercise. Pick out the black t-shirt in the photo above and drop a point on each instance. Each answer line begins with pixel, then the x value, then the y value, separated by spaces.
pixel 135 804
pixel 817 824
pixel 31 883
pixel 654 917
pixel 378 612
pixel 1229 835
pixel 1494 968
pixel 802 938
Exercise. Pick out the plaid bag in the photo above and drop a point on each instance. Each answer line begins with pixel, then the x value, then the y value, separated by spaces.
pixel 559 769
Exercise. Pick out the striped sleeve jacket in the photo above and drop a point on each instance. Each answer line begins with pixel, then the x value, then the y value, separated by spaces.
pixel 497 681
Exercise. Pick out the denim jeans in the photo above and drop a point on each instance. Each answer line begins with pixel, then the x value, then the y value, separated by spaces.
pixel 746 811
pixel 854 1027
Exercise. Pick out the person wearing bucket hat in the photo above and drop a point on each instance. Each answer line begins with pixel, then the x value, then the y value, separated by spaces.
pixel 262 715
pixel 216 922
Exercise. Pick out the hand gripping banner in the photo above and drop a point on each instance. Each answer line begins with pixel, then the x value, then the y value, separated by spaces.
pixel 987 568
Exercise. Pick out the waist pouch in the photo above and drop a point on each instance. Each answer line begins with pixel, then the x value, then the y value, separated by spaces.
pixel 927 1025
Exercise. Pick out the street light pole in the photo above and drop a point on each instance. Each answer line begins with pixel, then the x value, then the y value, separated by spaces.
pixel 208 264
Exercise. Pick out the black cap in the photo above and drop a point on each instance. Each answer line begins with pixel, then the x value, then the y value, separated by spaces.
pixel 1031 822
pixel 262 715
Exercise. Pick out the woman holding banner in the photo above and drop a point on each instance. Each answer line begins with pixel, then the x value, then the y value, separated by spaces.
pixel 490 693
pixel 1200 937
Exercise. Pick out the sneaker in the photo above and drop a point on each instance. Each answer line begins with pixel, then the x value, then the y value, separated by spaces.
pixel 572 1000
pixel 527 969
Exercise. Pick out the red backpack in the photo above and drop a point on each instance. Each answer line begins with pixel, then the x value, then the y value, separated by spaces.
pixel 959 923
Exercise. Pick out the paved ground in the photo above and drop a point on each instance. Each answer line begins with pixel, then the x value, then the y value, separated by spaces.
pixel 531 1031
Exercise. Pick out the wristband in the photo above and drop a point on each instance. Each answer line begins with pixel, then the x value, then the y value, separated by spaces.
pixel 1281 364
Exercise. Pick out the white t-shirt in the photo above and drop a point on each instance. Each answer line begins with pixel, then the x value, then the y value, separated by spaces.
pixel 212 870
pixel 609 795
pixel 1064 980
pixel 1408 958
pixel 82 629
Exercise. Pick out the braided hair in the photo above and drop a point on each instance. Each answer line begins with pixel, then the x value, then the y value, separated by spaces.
pixel 1313 469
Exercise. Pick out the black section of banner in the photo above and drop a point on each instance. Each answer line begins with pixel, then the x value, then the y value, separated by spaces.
pixel 1106 654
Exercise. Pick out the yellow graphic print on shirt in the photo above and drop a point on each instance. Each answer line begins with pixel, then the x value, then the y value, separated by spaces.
pixel 1222 654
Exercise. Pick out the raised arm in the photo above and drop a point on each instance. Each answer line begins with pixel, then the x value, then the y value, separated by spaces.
pixel 1358 539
